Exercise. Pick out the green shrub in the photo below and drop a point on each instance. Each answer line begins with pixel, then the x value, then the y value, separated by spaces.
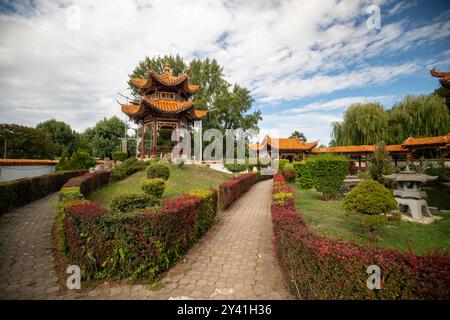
pixel 119 156
pixel 281 163
pixel 79 160
pixel 126 168
pixel 380 165
pixel 369 197
pixel 158 170
pixel 154 187
pixel 236 168
pixel 130 202
pixel 303 172
pixel 328 172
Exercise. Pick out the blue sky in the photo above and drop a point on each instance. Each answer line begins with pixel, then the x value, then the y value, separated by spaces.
pixel 305 62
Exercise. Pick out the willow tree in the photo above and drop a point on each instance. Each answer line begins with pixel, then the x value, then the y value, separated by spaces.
pixel 418 116
pixel 362 124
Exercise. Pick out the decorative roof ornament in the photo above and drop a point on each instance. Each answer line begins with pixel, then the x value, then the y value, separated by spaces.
pixel 444 77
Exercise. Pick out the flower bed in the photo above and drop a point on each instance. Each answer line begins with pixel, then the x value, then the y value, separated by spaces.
pixel 138 244
pixel 232 190
pixel 316 267
pixel 89 181
pixel 19 192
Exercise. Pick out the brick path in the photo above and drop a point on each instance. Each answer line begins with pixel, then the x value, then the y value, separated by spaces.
pixel 234 260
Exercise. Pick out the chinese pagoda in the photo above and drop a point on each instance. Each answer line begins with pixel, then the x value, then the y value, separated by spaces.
pixel 444 78
pixel 165 103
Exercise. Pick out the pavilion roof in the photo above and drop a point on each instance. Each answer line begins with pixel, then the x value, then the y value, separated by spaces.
pixel 444 77
pixel 284 144
pixel 166 79
pixel 345 149
pixel 428 141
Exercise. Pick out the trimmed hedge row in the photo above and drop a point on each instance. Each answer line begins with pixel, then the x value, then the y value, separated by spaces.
pixel 316 267
pixel 22 191
pixel 89 181
pixel 138 244
pixel 231 190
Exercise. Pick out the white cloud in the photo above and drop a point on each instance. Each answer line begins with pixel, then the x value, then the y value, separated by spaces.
pixel 341 103
pixel 281 50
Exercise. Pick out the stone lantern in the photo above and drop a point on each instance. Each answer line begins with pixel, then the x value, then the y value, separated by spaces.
pixel 409 192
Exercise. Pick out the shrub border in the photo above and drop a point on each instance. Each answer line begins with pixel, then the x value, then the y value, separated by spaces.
pixel 317 267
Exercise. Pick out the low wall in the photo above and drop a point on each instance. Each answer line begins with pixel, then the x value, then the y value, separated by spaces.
pixel 13 169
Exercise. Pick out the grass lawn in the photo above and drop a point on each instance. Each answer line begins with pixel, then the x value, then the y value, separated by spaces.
pixel 181 180
pixel 328 218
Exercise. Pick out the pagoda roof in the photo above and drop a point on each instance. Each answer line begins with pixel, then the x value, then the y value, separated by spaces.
pixel 165 106
pixel 345 149
pixel 168 105
pixel 166 79
pixel 444 77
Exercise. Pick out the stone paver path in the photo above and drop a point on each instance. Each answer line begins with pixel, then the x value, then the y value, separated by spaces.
pixel 26 257
pixel 234 260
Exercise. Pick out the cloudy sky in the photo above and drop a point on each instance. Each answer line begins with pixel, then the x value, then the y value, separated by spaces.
pixel 305 62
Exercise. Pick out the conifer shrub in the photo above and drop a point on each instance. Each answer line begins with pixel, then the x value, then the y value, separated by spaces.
pixel 154 187
pixel 158 170
pixel 369 197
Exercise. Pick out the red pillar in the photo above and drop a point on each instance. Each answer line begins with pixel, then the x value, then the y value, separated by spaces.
pixel 155 135
pixel 143 141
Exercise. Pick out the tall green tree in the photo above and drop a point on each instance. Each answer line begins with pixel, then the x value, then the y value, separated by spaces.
pixel 61 134
pixel 104 137
pixel 26 143
pixel 363 124
pixel 299 135
pixel 229 105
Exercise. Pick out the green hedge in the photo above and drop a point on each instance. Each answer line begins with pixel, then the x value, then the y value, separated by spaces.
pixel 325 172
pixel 119 156
pixel 129 202
pixel 88 182
pixel 19 192
pixel 139 245
pixel 304 176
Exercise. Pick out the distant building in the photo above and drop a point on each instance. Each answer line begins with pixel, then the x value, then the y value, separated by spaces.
pixel 12 169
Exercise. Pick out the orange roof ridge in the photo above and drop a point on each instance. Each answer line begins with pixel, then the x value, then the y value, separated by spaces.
pixel 411 141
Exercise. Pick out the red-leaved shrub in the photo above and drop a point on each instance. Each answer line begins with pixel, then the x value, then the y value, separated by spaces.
pixel 19 192
pixel 89 181
pixel 138 244
pixel 316 267
pixel 231 190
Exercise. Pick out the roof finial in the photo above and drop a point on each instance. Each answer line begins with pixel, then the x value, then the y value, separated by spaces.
pixel 166 67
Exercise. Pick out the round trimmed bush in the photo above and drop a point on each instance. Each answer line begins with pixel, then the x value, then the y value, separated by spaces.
pixel 158 170
pixel 130 202
pixel 369 197
pixel 154 187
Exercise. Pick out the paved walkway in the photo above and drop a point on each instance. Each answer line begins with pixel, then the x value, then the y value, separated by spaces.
pixel 234 260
